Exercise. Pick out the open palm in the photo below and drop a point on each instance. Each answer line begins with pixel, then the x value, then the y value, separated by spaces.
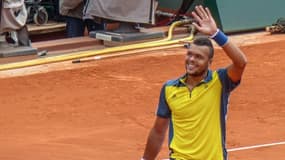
pixel 205 22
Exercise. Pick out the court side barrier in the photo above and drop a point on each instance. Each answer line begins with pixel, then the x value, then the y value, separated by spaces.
pixel 83 54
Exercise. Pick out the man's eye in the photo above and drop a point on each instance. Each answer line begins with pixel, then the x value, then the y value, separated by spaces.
pixel 199 57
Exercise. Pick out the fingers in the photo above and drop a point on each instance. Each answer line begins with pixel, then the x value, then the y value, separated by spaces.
pixel 201 12
pixel 199 15
pixel 205 23
pixel 196 26
pixel 209 13
pixel 196 17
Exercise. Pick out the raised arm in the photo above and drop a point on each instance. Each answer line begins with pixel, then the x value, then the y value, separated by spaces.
pixel 207 25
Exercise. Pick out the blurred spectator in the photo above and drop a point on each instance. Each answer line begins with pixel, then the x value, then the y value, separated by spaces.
pixel 13 20
pixel 75 24
pixel 134 11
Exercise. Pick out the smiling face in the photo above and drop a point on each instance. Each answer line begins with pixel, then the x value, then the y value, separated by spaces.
pixel 197 60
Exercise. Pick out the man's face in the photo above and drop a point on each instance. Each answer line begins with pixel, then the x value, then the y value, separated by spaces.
pixel 197 60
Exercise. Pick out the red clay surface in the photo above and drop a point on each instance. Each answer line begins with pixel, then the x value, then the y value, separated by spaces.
pixel 105 109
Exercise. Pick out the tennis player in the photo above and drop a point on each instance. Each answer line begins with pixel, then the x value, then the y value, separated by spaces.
pixel 193 107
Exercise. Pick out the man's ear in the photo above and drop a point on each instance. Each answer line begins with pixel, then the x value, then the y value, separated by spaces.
pixel 210 61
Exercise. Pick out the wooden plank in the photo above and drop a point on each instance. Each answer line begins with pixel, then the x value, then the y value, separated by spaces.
pixel 46 28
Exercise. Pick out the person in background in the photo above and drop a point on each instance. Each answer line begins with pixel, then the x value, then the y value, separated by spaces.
pixel 194 107
pixel 75 23
pixel 13 18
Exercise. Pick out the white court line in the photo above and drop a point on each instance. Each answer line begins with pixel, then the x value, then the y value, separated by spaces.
pixel 251 147
pixel 256 146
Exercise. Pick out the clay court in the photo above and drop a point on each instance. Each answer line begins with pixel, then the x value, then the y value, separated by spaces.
pixel 104 109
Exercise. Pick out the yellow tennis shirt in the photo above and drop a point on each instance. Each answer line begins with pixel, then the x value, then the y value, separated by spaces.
pixel 197 117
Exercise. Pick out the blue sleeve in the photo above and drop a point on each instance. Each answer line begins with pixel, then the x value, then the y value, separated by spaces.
pixel 163 108
pixel 228 84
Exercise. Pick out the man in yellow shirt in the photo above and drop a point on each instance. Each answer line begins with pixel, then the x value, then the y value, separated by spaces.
pixel 194 106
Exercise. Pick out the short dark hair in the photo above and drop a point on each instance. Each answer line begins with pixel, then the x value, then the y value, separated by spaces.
pixel 204 41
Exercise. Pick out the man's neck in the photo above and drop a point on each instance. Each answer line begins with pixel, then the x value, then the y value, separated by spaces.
pixel 192 81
